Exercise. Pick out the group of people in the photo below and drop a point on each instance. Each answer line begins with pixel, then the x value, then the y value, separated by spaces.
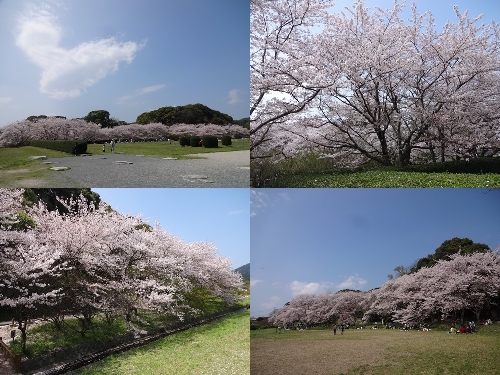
pixel 334 329
pixel 471 328
pixel 111 145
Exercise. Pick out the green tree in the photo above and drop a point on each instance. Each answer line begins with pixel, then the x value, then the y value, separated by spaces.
pixel 456 245
pixel 102 118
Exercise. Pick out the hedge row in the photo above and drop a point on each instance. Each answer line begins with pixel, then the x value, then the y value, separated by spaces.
pixel 208 141
pixel 64 146
pixel 473 166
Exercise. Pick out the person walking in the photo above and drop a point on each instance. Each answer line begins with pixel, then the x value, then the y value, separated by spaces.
pixel 112 144
pixel 342 329
pixel 334 329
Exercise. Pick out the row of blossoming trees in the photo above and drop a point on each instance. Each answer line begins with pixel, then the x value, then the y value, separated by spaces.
pixel 54 128
pixel 93 260
pixel 463 283
pixel 362 84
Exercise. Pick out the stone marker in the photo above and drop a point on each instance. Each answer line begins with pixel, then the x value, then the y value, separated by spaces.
pixel 59 168
pixel 38 157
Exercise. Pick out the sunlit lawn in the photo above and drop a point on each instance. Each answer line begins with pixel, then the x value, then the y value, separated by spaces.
pixel 222 347
pixel 165 149
pixel 375 352
pixel 391 179
pixel 16 166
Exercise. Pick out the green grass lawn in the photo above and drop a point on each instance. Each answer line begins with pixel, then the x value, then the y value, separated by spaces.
pixel 222 347
pixel 375 352
pixel 391 179
pixel 15 165
pixel 312 171
pixel 165 149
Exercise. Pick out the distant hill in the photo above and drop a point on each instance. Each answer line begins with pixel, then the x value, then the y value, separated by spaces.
pixel 245 272
pixel 187 114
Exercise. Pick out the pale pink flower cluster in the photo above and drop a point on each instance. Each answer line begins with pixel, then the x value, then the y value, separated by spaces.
pixel 446 290
pixel 372 84
pixel 94 260
pixel 54 128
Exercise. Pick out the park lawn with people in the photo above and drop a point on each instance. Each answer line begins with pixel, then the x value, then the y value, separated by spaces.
pixel 375 352
pixel 16 165
pixel 167 149
pixel 221 347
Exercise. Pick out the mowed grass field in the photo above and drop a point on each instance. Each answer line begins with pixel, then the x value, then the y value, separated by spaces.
pixel 375 352
pixel 222 347
pixel 165 149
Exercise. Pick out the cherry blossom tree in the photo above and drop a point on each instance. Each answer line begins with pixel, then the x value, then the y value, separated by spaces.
pixel 464 282
pixel 86 260
pixel 371 86
pixel 55 128
pixel 283 80
pixel 342 306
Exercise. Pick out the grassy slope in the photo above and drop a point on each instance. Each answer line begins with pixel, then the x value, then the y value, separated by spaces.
pixel 376 352
pixel 222 347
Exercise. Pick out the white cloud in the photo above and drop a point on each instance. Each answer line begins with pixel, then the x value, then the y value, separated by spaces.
pixel 352 282
pixel 67 73
pixel 138 92
pixel 260 200
pixel 298 287
pixel 233 213
pixel 272 303
pixel 255 282
pixel 6 99
pixel 234 96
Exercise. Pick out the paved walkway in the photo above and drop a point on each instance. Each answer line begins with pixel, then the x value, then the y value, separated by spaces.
pixel 220 169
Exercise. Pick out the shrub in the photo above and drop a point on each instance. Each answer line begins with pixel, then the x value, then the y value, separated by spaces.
pixel 210 141
pixel 184 141
pixel 226 140
pixel 64 146
pixel 194 141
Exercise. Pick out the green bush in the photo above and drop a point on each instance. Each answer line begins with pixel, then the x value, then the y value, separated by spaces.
pixel 473 166
pixel 210 141
pixel 226 140
pixel 64 146
pixel 184 141
pixel 194 141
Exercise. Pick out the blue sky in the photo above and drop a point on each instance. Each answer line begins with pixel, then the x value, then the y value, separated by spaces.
pixel 71 57
pixel 319 240
pixel 219 216
pixel 441 9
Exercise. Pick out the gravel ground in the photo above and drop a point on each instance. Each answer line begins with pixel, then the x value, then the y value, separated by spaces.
pixel 221 169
